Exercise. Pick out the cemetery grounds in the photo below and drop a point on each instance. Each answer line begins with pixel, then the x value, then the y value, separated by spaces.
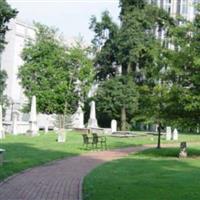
pixel 146 175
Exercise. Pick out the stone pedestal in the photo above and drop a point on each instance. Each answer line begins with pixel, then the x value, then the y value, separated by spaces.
pixel 168 133
pixel 175 134
pixel 114 126
pixel 61 136
pixel 92 123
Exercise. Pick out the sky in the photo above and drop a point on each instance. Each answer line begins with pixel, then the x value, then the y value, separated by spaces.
pixel 72 17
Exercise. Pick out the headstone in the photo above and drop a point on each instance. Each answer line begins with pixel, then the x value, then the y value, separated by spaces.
pixel 92 123
pixel 14 124
pixel 175 134
pixel 2 133
pixel 114 125
pixel 183 150
pixel 33 118
pixel 168 133
pixel 61 136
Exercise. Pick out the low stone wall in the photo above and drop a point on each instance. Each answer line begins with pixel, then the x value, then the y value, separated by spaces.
pixel 22 127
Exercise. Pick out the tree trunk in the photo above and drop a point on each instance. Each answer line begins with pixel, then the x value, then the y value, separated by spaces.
pixel 123 119
pixel 159 135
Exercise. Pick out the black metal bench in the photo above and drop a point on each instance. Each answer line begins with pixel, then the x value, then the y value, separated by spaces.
pixel 96 139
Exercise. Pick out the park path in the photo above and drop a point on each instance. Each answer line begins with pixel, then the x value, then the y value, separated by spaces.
pixel 59 180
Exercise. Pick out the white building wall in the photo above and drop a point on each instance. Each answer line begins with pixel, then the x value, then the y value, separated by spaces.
pixel 11 60
pixel 185 8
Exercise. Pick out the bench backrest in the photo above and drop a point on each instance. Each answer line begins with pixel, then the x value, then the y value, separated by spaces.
pixel 85 138
pixel 95 138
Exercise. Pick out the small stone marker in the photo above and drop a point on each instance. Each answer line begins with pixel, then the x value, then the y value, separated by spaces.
pixel 33 118
pixel 1 156
pixel 175 134
pixel 61 136
pixel 183 150
pixel 168 133
pixel 114 125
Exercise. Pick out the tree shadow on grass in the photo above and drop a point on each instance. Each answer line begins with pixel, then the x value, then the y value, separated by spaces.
pixel 20 156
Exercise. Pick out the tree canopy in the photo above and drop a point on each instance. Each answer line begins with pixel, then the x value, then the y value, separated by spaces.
pixel 117 98
pixel 54 73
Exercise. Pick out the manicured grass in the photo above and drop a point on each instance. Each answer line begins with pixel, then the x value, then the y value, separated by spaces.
pixel 152 174
pixel 23 152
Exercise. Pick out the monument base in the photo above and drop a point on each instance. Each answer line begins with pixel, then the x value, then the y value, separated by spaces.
pixel 92 123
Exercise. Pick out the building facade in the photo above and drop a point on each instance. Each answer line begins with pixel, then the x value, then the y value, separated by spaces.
pixel 19 32
pixel 185 8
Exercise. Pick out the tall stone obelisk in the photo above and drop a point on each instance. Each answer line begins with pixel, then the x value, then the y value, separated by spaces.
pixel 33 130
pixel 2 134
pixel 92 123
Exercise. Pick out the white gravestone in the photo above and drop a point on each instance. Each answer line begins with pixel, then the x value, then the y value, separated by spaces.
pixel 92 123
pixel 175 134
pixel 61 136
pixel 114 126
pixel 2 133
pixel 33 118
pixel 168 133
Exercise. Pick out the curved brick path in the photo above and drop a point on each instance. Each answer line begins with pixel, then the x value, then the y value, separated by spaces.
pixel 61 180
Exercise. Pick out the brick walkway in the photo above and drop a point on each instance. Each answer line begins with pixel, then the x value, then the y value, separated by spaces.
pixel 61 180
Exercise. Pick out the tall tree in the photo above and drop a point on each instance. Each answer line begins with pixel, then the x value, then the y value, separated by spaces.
pixel 184 73
pixel 51 71
pixel 6 13
pixel 105 46
pixel 117 98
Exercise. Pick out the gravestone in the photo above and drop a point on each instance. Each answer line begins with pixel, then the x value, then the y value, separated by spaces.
pixel 114 125
pixel 175 134
pixel 61 136
pixel 168 133
pixel 92 123
pixel 183 150
pixel 2 133
pixel 33 130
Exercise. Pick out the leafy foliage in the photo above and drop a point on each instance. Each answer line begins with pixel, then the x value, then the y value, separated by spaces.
pixel 114 97
pixel 6 13
pixel 51 72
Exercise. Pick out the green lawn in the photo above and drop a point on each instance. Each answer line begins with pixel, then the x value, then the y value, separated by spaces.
pixel 23 152
pixel 149 175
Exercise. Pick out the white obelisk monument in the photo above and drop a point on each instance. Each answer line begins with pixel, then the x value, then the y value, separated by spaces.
pixel 33 118
pixel 92 123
